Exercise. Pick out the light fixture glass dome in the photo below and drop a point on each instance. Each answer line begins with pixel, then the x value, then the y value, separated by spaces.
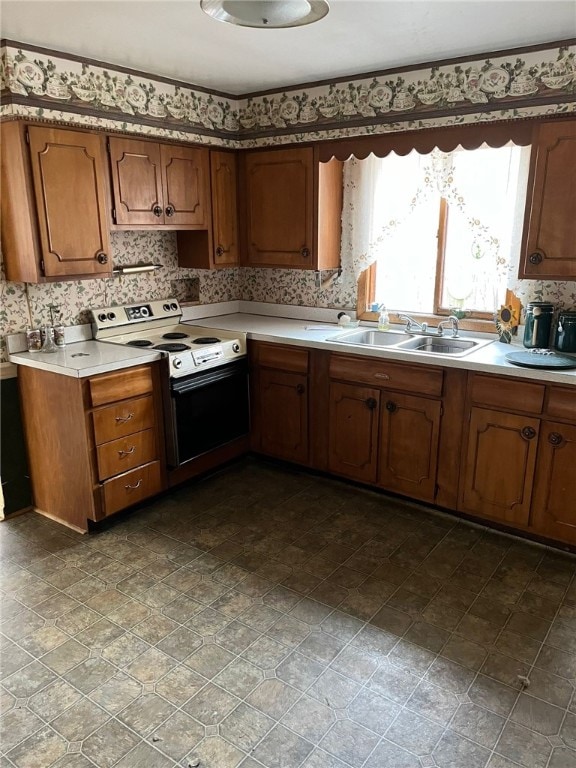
pixel 266 14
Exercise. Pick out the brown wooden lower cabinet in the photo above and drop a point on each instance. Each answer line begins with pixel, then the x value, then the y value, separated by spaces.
pixel 409 434
pixel 554 497
pixel 499 464
pixel 284 414
pixel 96 444
pixel 353 431
pixel 279 401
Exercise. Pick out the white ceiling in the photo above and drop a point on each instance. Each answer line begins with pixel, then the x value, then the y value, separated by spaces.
pixel 175 39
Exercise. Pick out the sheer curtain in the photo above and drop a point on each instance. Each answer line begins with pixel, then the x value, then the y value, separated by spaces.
pixel 381 194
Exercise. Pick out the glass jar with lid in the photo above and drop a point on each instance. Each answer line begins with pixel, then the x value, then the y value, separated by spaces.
pixel 565 333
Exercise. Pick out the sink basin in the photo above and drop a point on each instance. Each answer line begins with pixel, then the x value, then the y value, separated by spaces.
pixel 443 345
pixel 370 338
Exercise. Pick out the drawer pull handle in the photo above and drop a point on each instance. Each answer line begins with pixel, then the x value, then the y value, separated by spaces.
pixel 124 419
pixel 133 487
pixel 528 433
pixel 129 452
pixel 381 376
pixel 555 438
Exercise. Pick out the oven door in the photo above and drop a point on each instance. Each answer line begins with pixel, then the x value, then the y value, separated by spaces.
pixel 208 410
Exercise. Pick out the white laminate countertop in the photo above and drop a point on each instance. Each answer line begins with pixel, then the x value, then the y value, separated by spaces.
pixel 88 358
pixel 85 358
pixel 311 334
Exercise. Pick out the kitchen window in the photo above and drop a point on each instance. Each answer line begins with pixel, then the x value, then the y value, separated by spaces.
pixel 438 233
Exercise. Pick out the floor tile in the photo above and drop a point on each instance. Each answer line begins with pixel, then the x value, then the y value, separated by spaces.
pixel 296 623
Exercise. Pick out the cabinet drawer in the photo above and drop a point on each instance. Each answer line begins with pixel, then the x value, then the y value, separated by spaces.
pixel 119 386
pixel 407 378
pixel 131 487
pixel 499 392
pixel 562 403
pixel 285 358
pixel 122 419
pixel 126 453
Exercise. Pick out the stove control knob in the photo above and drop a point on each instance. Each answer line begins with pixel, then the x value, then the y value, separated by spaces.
pixel 166 307
pixel 111 315
pixel 144 312
pixel 235 347
pixel 173 306
pixel 102 317
pixel 177 362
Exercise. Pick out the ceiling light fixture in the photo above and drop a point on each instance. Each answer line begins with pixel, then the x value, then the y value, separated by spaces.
pixel 266 14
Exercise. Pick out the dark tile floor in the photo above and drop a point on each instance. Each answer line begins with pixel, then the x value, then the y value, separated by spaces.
pixel 264 617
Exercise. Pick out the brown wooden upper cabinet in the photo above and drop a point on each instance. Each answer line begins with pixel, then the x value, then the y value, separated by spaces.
pixel 54 220
pixel 292 206
pixel 549 243
pixel 218 245
pixel 159 185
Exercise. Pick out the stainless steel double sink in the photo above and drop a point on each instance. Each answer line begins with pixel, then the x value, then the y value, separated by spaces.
pixel 430 344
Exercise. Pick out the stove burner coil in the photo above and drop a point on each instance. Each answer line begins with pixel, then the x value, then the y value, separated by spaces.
pixel 139 343
pixel 175 335
pixel 172 347
pixel 206 340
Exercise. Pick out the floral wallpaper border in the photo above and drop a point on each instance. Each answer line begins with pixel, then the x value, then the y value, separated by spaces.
pixel 502 87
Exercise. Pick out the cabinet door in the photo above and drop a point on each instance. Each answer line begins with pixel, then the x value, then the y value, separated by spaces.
pixel 280 208
pixel 353 431
pixel 553 504
pixel 409 432
pixel 499 465
pixel 549 246
pixel 137 182
pixel 69 173
pixel 186 182
pixel 224 208
pixel 283 400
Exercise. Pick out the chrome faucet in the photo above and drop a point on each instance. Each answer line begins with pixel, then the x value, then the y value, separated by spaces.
pixel 411 323
pixel 452 319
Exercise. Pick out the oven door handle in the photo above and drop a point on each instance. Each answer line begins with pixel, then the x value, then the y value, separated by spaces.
pixel 196 381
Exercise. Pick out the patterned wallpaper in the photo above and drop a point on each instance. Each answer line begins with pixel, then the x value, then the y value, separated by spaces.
pixel 38 84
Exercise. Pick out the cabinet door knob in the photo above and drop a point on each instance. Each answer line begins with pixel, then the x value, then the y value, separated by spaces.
pixel 157 210
pixel 219 251
pixel 391 406
pixel 101 258
pixel 300 389
pixel 169 210
pixel 535 258
pixel 371 403
pixel 528 433
pixel 305 252
pixel 555 438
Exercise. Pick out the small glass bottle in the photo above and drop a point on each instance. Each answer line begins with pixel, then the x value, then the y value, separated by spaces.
pixel 49 344
pixel 383 319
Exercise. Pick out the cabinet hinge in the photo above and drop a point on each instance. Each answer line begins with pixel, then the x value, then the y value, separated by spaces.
pixel 436 490
pixel 441 410
pixel 42 267
pixel 108 145
pixel 114 215
pixel 27 136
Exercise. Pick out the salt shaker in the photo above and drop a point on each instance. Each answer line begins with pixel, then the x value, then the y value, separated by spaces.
pixel 33 339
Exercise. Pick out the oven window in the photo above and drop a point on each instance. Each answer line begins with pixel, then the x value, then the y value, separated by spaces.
pixel 211 414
